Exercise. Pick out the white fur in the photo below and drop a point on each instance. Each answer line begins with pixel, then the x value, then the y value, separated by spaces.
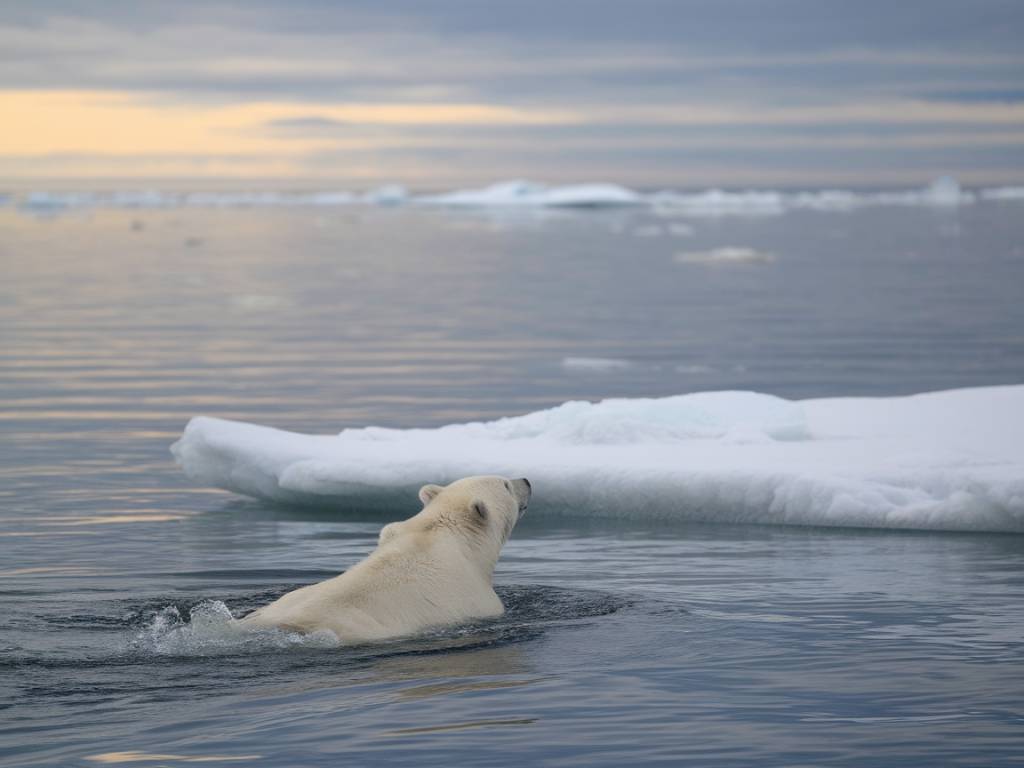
pixel 430 570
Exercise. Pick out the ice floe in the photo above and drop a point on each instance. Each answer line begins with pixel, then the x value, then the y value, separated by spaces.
pixel 389 194
pixel 946 460
pixel 943 193
pixel 1003 193
pixel 130 199
pixel 531 194
pixel 716 203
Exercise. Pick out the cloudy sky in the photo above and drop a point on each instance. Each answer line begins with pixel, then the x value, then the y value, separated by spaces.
pixel 436 93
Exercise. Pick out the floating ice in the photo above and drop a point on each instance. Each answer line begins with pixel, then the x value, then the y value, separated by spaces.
pixel 591 196
pixel 946 460
pixel 43 202
pixel 147 198
pixel 502 193
pixel 1003 193
pixel 527 193
pixel 262 199
pixel 130 199
pixel 716 203
pixel 389 194
pixel 324 199
pixel 946 191
pixel 942 193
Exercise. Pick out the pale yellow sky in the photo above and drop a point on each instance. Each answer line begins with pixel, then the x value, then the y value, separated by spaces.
pixel 91 129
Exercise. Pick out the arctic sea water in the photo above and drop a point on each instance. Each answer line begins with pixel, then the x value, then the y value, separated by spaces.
pixel 637 634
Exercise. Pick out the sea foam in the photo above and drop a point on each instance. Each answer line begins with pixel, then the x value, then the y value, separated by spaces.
pixel 945 460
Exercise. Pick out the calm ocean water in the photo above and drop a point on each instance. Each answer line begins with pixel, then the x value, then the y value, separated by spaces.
pixel 638 643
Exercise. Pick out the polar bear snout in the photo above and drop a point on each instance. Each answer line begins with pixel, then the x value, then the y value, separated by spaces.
pixel 522 490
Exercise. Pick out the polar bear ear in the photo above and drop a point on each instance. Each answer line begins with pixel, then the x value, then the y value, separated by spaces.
pixel 428 492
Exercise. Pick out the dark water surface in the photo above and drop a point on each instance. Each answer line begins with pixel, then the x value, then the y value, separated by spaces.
pixel 624 643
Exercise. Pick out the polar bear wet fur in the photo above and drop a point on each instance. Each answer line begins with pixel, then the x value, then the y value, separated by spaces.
pixel 431 570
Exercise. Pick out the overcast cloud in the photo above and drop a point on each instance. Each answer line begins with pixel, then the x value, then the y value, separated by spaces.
pixel 433 93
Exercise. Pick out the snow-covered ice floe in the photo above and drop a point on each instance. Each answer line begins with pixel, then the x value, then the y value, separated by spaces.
pixel 530 194
pixel 945 460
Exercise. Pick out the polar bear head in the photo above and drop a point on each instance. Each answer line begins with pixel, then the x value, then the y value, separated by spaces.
pixel 479 511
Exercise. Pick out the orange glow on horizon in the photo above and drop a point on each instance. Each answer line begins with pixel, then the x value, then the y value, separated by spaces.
pixel 121 125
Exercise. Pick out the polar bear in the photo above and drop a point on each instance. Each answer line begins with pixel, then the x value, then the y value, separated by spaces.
pixel 430 570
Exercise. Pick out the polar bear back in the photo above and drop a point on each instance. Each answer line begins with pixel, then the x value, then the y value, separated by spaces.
pixel 430 570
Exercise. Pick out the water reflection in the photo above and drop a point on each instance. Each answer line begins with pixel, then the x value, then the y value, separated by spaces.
pixel 462 726
pixel 624 643
pixel 119 758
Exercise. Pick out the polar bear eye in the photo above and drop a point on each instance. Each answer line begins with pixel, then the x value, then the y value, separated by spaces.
pixel 508 486
pixel 480 510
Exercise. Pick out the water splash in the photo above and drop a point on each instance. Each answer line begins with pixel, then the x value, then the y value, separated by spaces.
pixel 211 629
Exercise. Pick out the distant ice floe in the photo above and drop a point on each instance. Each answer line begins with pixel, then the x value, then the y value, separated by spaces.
pixel 389 194
pixel 531 194
pixel 717 203
pixel 943 193
pixel 726 255
pixel 944 461
pixel 153 199
pixel 1003 193
pixel 45 202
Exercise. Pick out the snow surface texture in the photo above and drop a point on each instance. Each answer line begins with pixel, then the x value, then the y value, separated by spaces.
pixel 946 460
pixel 944 193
